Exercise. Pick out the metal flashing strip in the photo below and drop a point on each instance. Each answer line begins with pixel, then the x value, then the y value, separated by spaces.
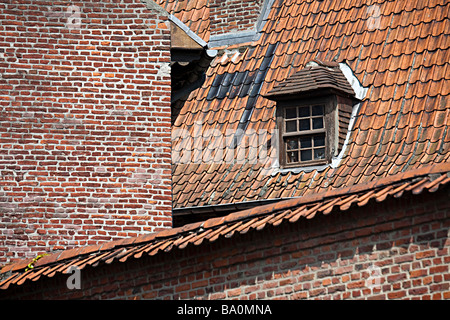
pixel 229 39
pixel 210 52
pixel 267 5
pixel 360 93
pixel 429 178
pixel 186 29
pixel 154 6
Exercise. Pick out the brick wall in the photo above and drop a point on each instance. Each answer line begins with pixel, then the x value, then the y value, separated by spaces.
pixel 84 123
pixel 234 15
pixel 397 249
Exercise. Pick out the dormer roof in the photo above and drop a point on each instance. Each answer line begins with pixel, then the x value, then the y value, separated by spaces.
pixel 316 78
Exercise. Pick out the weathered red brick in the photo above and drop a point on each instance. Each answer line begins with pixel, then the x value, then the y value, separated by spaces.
pixel 72 114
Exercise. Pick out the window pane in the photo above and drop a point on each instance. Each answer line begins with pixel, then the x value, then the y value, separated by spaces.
pixel 303 112
pixel 306 155
pixel 319 153
pixel 319 140
pixel 291 126
pixel 305 142
pixel 304 125
pixel 318 123
pixel 317 110
pixel 292 156
pixel 291 113
pixel 292 144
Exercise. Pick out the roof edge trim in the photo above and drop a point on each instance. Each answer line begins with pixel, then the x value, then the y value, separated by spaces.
pixel 360 91
pixel 211 53
pixel 154 6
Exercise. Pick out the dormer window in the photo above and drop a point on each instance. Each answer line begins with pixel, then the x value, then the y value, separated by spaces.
pixel 304 132
pixel 313 111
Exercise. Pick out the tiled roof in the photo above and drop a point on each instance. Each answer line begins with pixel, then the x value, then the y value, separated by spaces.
pixel 398 50
pixel 429 179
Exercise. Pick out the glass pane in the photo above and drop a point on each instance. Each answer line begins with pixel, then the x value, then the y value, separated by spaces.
pixel 292 156
pixel 291 126
pixel 292 144
pixel 303 112
pixel 291 113
pixel 305 142
pixel 304 125
pixel 318 123
pixel 306 155
pixel 319 140
pixel 319 153
pixel 317 110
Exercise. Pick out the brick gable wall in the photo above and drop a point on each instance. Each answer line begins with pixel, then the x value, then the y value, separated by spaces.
pixel 85 150
pixel 234 15
pixel 397 249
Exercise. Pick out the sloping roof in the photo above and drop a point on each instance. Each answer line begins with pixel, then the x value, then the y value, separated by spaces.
pixel 429 179
pixel 399 51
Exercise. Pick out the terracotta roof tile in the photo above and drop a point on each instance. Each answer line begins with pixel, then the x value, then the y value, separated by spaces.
pixel 428 178
pixel 402 60
pixel 193 13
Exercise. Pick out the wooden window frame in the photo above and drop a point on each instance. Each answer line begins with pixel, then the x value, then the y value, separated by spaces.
pixel 330 125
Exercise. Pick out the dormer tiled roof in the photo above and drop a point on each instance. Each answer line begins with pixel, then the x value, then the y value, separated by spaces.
pixel 398 50
pixel 316 77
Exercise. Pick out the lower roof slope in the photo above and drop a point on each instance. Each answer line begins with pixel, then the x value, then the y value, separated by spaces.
pixel 425 179
pixel 193 13
pixel 399 51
